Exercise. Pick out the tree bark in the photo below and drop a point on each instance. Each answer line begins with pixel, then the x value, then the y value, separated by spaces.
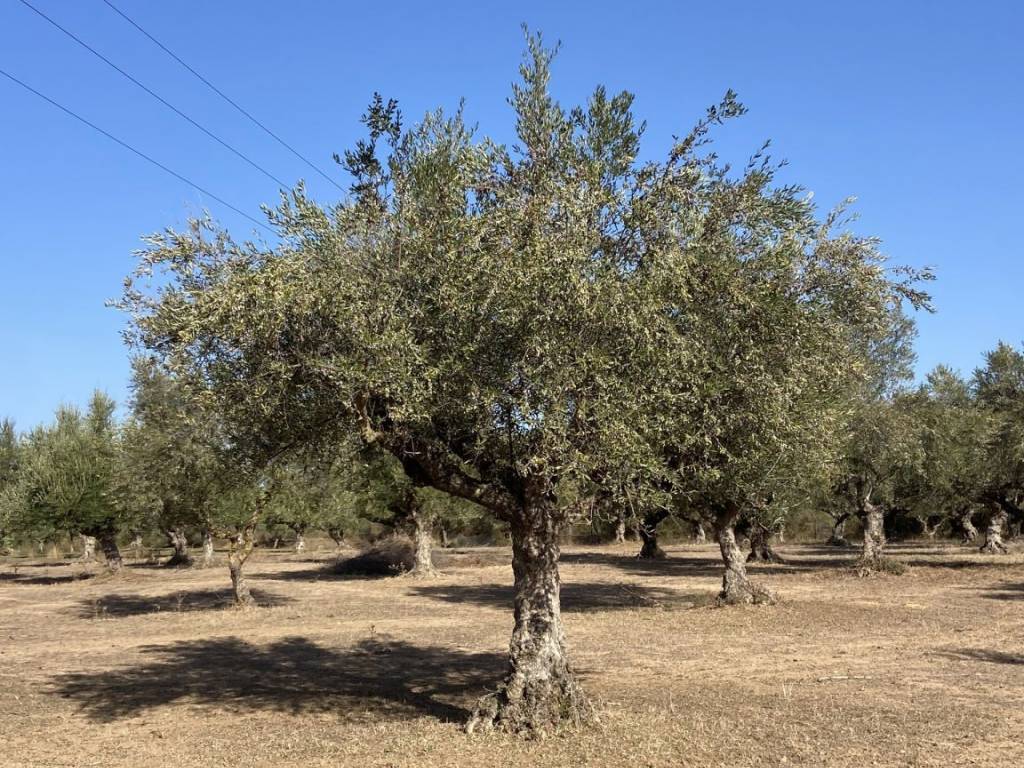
pixel 873 550
pixel 136 545
pixel 737 588
pixel 648 530
pixel 541 690
pixel 994 532
pixel 761 550
pixel 207 548
pixel 620 528
pixel 88 548
pixel 108 543
pixel 300 539
pixel 240 546
pixel 181 556
pixel 968 533
pixel 838 537
pixel 699 534
pixel 337 536
pixel 422 530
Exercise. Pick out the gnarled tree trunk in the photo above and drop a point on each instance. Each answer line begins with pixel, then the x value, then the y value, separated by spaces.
pixel 181 556
pixel 965 522
pixel 620 527
pixel 761 550
pixel 88 548
pixel 838 537
pixel 873 552
pixel 207 560
pixel 699 535
pixel 648 530
pixel 541 690
pixel 240 546
pixel 108 543
pixel 300 539
pixel 337 536
pixel 994 532
pixel 422 537
pixel 737 588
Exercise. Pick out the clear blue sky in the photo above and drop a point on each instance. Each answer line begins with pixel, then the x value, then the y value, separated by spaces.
pixel 916 108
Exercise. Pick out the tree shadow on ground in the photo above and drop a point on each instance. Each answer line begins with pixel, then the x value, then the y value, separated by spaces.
pixel 1006 591
pixel 376 678
pixel 17 578
pixel 700 566
pixel 185 601
pixel 984 654
pixel 578 598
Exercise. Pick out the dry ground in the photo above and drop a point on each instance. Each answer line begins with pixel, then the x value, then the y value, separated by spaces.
pixel 926 669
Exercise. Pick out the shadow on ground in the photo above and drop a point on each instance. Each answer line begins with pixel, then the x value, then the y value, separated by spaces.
pixel 985 655
pixel 17 578
pixel 376 678
pixel 120 606
pixel 580 598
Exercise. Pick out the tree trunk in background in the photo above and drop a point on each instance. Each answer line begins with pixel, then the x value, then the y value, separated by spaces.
pixel 240 546
pixel 181 557
pixel 994 532
pixel 207 549
pixel 761 545
pixel 964 519
pixel 838 537
pixel 648 529
pixel 874 536
pixel 699 534
pixel 337 536
pixel 300 540
pixel 108 542
pixel 88 548
pixel 737 588
pixel 422 537
pixel 620 528
pixel 136 545
pixel 444 536
pixel 541 690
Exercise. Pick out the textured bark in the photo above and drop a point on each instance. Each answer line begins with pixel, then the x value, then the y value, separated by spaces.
pixel 994 532
pixel 965 522
pixel 699 534
pixel 181 557
pixel 541 690
pixel 240 546
pixel 422 537
pixel 207 560
pixel 620 528
pixel 444 536
pixel 300 540
pixel 737 588
pixel 838 537
pixel 873 552
pixel 337 536
pixel 761 550
pixel 88 548
pixel 136 545
pixel 108 543
pixel 648 530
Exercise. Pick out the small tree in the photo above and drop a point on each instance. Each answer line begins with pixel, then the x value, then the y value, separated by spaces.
pixel 71 478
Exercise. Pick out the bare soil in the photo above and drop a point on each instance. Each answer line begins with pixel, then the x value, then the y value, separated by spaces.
pixel 154 668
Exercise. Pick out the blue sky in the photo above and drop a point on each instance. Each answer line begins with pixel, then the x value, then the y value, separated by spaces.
pixel 916 108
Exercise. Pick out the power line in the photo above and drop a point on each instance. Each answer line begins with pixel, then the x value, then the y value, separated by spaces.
pixel 130 148
pixel 223 95
pixel 156 96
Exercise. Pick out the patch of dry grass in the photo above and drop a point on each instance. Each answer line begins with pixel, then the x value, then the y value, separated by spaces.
pixel 924 669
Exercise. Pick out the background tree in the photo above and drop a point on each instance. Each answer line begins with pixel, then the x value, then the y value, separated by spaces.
pixel 9 461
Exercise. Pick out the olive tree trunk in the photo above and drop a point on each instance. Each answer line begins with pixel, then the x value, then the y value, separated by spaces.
pixel 88 548
pixel 648 530
pixel 620 527
pixel 423 542
pixel 108 543
pixel 207 560
pixel 240 546
pixel 873 552
pixel 700 536
pixel 300 539
pixel 838 536
pixel 541 690
pixel 761 550
pixel 337 536
pixel 994 532
pixel 181 556
pixel 737 588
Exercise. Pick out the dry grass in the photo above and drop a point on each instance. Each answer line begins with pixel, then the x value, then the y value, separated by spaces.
pixel 926 669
